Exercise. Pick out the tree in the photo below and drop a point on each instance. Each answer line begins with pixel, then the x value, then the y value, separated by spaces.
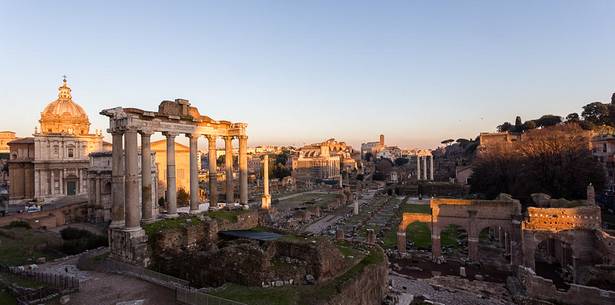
pixel 613 99
pixel 447 141
pixel 368 156
pixel 548 120
pixel 518 122
pixel 182 197
pixel 573 117
pixel 529 125
pixel 401 161
pixel 506 126
pixel 554 160
pixel 221 160
pixel 597 113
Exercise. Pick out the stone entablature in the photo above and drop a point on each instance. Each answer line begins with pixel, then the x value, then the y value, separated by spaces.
pixel 559 219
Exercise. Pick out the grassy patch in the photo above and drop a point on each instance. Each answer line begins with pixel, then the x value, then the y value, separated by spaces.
pixel 416 208
pixel 6 298
pixel 450 236
pixel 169 224
pixel 225 215
pixel 420 235
pixel 19 246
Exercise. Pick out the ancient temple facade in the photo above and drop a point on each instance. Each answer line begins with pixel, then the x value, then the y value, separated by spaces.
pixel 54 162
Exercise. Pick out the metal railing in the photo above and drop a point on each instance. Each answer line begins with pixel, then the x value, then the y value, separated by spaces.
pixel 64 282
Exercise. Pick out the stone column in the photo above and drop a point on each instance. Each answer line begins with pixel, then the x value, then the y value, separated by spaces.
pixel 431 168
pixel 131 181
pixel 146 177
pixel 355 207
pixel 418 167
pixel 117 180
pixel 228 166
pixel 436 248
pixel 194 173
pixel 266 200
pixel 98 192
pixel 472 237
pixel 506 243
pixel 213 171
pixel 243 170
pixel 424 167
pixel 171 183
pixel 401 241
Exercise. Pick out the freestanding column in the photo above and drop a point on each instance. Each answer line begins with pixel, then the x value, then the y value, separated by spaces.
pixel 266 200
pixel 117 180
pixel 418 167
pixel 171 183
pixel 146 177
pixel 131 181
pixel 194 175
pixel 228 165
pixel 424 167
pixel 213 171
pixel 243 170
pixel 431 168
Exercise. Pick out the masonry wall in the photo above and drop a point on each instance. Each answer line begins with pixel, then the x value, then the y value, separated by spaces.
pixel 541 288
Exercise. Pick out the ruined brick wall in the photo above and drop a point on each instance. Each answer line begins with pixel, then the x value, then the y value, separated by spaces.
pixel 367 288
pixel 541 288
pixel 323 259
pixel 605 245
pixel 558 219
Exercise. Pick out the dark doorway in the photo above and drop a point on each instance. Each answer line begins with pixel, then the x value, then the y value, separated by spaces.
pixel 71 188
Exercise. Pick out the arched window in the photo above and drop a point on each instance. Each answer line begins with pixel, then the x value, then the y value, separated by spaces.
pixel 71 153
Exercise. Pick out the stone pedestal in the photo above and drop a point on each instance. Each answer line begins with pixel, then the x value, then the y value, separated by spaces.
pixel 129 246
pixel 266 202
pixel 371 236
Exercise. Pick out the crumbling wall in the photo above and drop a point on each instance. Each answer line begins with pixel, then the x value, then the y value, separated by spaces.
pixel 367 288
pixel 541 288
pixel 558 219
pixel 605 244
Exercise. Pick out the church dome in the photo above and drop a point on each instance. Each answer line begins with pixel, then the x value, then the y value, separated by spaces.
pixel 64 115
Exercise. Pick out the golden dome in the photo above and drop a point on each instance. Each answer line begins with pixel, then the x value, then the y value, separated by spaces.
pixel 63 115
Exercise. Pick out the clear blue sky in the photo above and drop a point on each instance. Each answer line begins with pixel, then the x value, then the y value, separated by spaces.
pixel 303 71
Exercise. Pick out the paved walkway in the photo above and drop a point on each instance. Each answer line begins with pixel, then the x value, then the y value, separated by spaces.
pixel 98 288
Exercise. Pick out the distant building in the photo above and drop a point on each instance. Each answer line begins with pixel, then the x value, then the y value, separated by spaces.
pixel 492 140
pixel 372 147
pixel 603 150
pixel 5 138
pixel 389 152
pixel 54 162
pixel 322 161
pixel 182 166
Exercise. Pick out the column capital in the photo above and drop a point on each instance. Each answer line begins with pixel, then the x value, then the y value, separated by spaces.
pixel 115 132
pixel 146 132
pixel 242 137
pixel 170 134
pixel 211 137
pixel 193 135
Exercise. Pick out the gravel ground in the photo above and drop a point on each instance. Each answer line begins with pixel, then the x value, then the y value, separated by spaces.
pixel 449 290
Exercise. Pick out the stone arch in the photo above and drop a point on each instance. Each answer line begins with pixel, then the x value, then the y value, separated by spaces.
pixel 407 219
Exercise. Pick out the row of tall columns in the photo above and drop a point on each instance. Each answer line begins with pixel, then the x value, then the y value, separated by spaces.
pixel 421 170
pixel 125 210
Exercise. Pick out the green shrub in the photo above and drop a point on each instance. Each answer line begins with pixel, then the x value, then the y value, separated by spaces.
pixel 73 233
pixel 18 224
pixel 77 240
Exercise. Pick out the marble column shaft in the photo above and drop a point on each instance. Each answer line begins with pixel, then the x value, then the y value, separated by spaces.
pixel 171 182
pixel 194 173
pixel 243 170
pixel 431 168
pixel 424 167
pixel 146 177
pixel 117 180
pixel 228 164
pixel 131 181
pixel 213 171
pixel 418 167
